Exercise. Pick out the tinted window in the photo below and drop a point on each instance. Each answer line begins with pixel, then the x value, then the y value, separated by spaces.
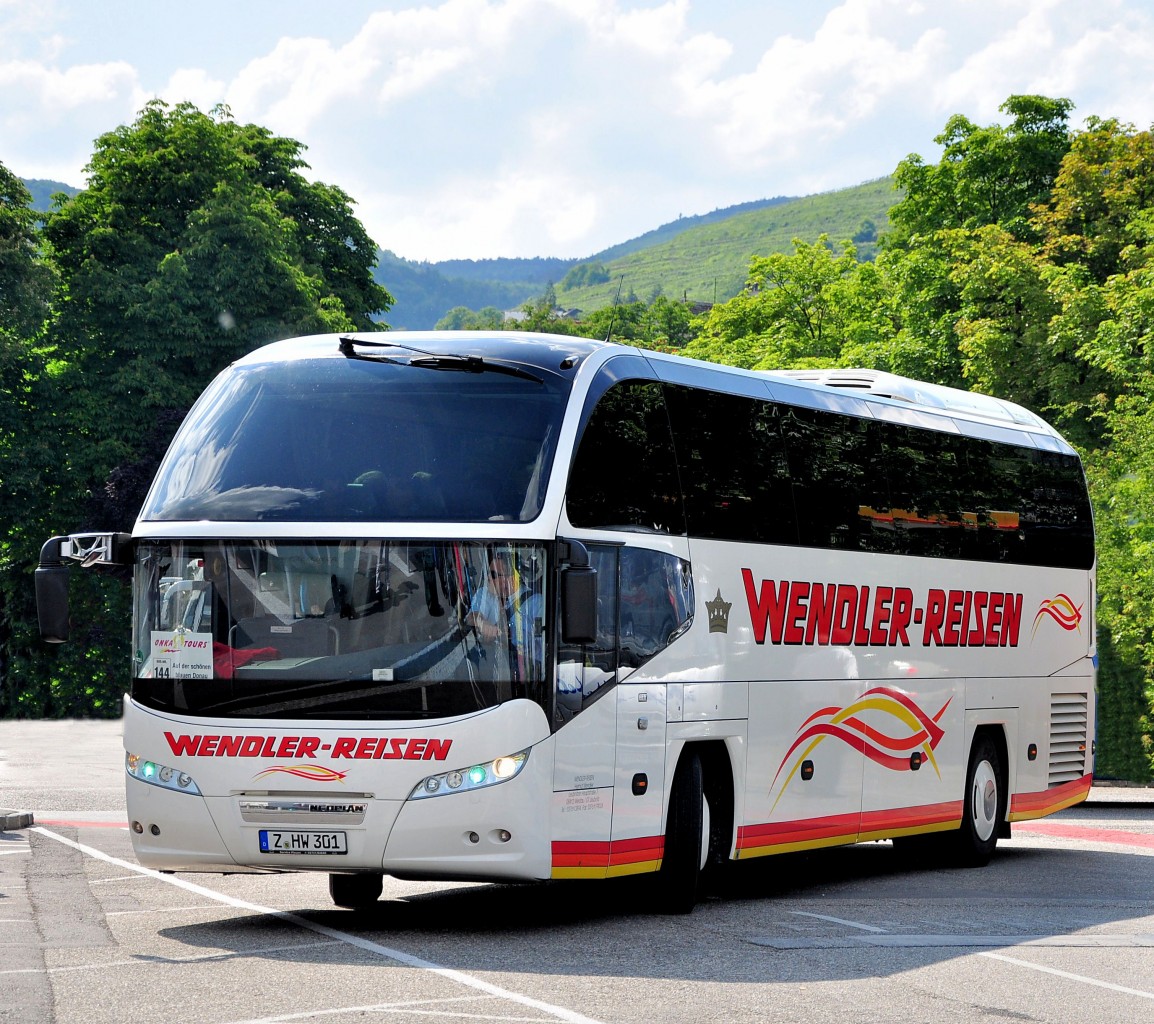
pixel 733 467
pixel 349 440
pixel 939 495
pixel 644 601
pixel 839 478
pixel 624 475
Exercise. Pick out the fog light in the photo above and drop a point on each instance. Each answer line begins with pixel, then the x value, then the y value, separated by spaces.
pixel 503 836
pixel 137 827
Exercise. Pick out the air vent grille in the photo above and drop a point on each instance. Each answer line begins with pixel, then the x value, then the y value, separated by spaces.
pixel 1069 717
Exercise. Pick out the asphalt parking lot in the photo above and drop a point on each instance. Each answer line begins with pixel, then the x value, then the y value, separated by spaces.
pixel 1060 927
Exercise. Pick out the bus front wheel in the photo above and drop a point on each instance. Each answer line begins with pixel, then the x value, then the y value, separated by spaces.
pixel 686 832
pixel 355 892
pixel 984 808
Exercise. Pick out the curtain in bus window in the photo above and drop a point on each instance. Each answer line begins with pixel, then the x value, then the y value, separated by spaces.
pixel 733 467
pixel 624 475
pixel 840 485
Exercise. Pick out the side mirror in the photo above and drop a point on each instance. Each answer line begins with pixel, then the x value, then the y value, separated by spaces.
pixel 52 592
pixel 578 596
pixel 89 549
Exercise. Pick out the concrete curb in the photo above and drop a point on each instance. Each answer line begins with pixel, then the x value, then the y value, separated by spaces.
pixel 10 820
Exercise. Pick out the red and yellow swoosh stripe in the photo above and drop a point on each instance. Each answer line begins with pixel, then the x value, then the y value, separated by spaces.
pixel 1062 610
pixel 311 772
pixel 891 750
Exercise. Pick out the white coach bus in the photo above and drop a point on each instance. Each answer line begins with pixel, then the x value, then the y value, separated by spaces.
pixel 517 607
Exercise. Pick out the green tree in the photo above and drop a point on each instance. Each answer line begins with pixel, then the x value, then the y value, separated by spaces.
pixel 986 175
pixel 27 440
pixel 789 314
pixel 461 318
pixel 197 240
pixel 542 314
pixel 1102 198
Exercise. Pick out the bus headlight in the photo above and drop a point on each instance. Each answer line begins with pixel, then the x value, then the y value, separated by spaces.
pixel 477 776
pixel 159 775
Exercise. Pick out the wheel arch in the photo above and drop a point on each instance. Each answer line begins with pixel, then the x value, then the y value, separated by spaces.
pixel 719 789
pixel 996 732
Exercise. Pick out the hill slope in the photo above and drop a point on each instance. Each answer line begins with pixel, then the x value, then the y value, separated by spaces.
pixel 702 258
pixel 42 190
pixel 709 263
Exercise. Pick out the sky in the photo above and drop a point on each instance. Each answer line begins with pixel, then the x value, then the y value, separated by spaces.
pixel 473 129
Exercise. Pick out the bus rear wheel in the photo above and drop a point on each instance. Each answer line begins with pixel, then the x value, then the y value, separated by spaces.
pixel 984 807
pixel 355 892
pixel 686 833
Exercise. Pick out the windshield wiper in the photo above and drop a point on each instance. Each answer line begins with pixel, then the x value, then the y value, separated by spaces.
pixel 433 361
pixel 473 364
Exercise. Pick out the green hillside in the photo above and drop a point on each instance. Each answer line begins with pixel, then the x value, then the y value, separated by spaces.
pixel 709 263
pixel 42 190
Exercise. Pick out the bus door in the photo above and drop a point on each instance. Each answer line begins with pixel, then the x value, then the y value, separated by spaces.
pixel 639 780
pixel 585 737
pixel 613 730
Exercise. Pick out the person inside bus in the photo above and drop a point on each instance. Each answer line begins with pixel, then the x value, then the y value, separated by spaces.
pixel 509 612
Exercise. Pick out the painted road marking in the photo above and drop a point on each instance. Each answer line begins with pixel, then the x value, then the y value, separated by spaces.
pixel 396 955
pixel 1086 833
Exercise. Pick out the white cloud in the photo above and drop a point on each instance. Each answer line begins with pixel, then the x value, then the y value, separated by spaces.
pixel 558 127
pixel 51 91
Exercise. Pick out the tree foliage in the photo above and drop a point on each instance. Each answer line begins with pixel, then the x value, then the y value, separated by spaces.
pixel 1021 263
pixel 196 240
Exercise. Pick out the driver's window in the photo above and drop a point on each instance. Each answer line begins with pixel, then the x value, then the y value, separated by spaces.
pixel 644 602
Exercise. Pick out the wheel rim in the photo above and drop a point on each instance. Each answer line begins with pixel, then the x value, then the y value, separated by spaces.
pixel 984 801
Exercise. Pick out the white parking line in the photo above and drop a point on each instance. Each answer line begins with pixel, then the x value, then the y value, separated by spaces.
pixel 149 961
pixel 409 1007
pixel 1070 977
pixel 396 955
pixel 837 920
pixel 999 956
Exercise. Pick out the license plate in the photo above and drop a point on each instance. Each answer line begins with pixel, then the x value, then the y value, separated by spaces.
pixel 273 841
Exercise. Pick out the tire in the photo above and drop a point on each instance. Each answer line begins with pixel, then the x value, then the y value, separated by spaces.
pixel 984 806
pixel 686 841
pixel 355 892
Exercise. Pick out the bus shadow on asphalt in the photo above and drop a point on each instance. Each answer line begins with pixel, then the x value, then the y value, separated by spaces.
pixel 822 901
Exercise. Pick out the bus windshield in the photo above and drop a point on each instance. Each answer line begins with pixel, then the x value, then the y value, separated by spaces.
pixel 363 440
pixel 341 629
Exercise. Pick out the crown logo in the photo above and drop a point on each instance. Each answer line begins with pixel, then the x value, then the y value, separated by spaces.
pixel 718 610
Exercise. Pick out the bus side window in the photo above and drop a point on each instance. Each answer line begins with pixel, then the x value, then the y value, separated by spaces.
pixel 656 603
pixel 644 601
pixel 840 484
pixel 733 466
pixel 584 671
pixel 624 475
